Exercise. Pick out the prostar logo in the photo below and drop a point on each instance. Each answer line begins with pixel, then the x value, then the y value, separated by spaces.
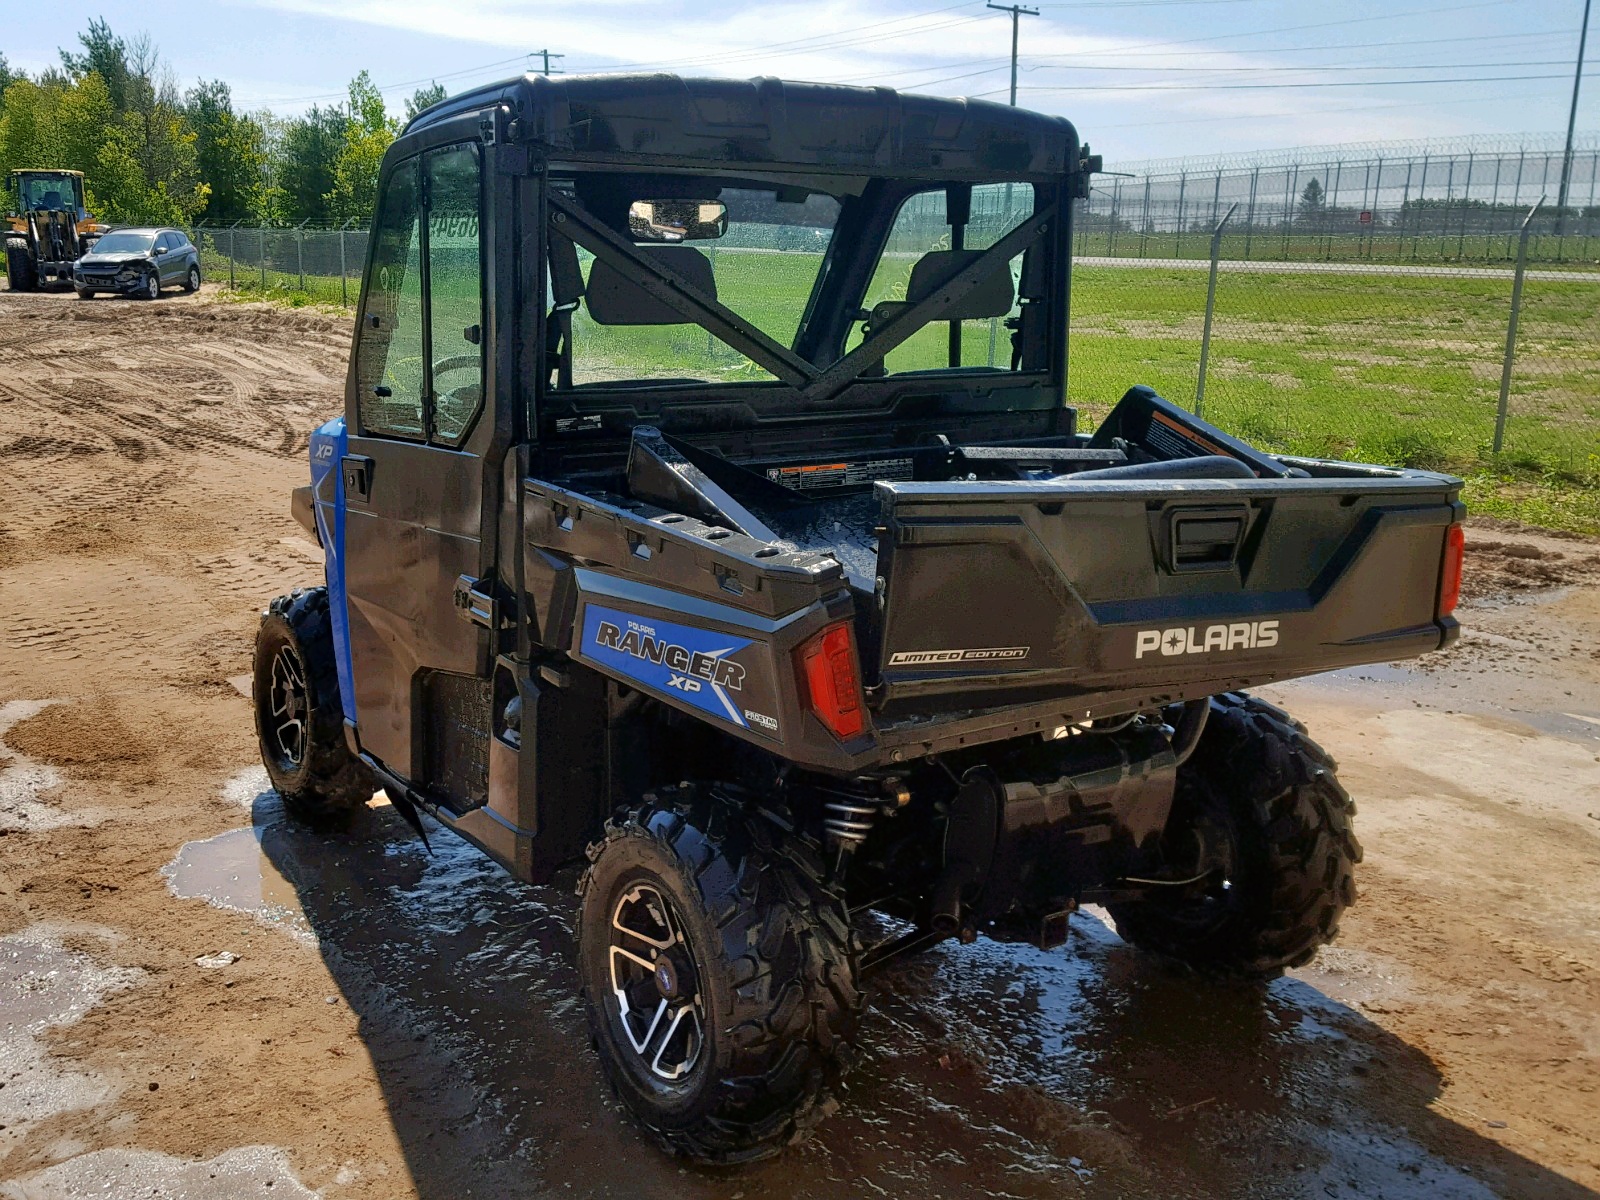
pixel 1181 639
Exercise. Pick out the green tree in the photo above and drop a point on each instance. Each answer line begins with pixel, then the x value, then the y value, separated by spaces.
pixel 230 154
pixel 423 98
pixel 303 172
pixel 104 54
pixel 1313 202
pixel 368 134
pixel 7 78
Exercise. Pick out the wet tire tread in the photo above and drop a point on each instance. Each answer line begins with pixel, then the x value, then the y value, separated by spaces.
pixel 333 783
pixel 791 1032
pixel 1281 785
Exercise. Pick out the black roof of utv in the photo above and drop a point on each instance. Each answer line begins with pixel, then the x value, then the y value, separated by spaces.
pixel 770 124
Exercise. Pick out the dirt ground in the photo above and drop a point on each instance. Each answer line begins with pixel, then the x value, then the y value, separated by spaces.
pixel 400 1024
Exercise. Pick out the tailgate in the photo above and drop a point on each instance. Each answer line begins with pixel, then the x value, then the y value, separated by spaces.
pixel 1002 593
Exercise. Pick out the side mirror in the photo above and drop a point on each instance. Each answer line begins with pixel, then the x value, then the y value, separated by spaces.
pixel 677 220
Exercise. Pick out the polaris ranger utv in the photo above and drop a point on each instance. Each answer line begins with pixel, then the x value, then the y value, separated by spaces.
pixel 707 515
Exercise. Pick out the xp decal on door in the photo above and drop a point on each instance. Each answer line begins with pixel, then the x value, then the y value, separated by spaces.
pixel 707 522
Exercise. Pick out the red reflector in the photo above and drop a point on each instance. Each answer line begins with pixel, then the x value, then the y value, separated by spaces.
pixel 1455 549
pixel 827 663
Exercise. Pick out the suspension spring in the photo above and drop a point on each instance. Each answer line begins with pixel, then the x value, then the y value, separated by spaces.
pixel 854 807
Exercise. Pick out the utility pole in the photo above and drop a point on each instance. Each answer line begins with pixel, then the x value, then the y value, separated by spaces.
pixel 547 56
pixel 1572 116
pixel 1016 12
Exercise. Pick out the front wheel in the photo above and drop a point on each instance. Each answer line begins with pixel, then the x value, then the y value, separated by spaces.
pixel 299 721
pixel 719 975
pixel 85 293
pixel 150 288
pixel 21 275
pixel 1259 806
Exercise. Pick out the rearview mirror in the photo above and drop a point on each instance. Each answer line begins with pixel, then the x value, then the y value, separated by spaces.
pixel 677 220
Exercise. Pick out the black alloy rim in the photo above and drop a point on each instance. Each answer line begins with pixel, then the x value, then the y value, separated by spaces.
pixel 655 993
pixel 288 707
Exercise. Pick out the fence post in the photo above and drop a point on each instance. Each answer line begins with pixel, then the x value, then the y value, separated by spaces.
pixel 344 282
pixel 261 245
pixel 1372 229
pixel 1144 220
pixel 1511 326
pixel 300 252
pixel 1177 241
pixel 1211 304
pixel 233 256
pixel 1250 216
pixel 1466 208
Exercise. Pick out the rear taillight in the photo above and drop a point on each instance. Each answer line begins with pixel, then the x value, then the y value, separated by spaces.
pixel 826 664
pixel 1455 549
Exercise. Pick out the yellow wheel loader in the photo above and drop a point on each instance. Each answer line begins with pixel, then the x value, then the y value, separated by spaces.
pixel 47 227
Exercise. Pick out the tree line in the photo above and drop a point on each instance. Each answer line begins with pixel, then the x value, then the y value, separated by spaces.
pixel 151 152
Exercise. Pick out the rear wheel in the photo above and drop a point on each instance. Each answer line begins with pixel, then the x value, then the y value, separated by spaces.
pixel 21 274
pixel 299 721
pixel 1259 805
pixel 191 281
pixel 719 975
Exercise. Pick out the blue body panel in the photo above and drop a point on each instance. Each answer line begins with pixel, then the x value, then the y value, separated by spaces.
pixel 695 665
pixel 328 445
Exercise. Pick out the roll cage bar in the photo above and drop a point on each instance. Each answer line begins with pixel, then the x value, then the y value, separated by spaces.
pixel 572 222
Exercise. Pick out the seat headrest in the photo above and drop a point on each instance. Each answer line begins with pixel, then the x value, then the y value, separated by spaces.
pixel 992 297
pixel 615 299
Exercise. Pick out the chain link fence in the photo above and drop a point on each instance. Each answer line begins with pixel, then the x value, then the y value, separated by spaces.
pixel 1412 364
pixel 323 265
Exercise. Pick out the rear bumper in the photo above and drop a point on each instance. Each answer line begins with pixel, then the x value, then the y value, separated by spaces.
pixel 910 737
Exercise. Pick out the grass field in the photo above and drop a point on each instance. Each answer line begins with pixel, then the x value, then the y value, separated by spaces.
pixel 1401 369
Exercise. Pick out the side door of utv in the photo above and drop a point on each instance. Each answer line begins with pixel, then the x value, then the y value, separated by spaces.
pixel 415 474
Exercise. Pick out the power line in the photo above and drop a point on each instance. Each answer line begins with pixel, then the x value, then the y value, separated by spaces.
pixel 1239 87
pixel 806 45
pixel 1320 112
pixel 1548 62
pixel 1327 47
pixel 1146 47
pixel 814 42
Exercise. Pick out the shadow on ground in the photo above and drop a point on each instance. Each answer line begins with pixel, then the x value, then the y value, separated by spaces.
pixel 987 1070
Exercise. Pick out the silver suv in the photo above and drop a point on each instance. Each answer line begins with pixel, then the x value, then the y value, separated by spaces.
pixel 138 262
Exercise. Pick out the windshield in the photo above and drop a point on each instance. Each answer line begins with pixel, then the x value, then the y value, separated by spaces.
pixel 125 243
pixel 763 268
pixel 49 193
pixel 815 285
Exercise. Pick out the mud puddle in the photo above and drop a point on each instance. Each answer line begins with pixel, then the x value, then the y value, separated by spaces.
pixel 247 1173
pixel 231 871
pixel 984 1070
pixel 44 985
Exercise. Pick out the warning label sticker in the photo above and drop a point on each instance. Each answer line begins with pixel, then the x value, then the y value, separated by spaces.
pixel 841 474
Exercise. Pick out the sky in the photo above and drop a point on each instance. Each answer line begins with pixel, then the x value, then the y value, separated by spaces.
pixel 1141 79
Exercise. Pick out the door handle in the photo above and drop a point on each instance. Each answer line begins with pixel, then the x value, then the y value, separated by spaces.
pixel 475 603
pixel 357 474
